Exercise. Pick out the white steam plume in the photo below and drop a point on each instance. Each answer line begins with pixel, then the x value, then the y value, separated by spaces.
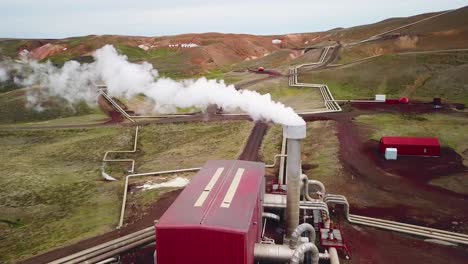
pixel 3 75
pixel 74 82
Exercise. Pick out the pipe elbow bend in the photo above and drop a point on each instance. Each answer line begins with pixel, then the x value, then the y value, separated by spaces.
pixel 300 229
pixel 298 255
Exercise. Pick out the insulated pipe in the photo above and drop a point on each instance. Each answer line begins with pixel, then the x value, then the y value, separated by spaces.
pixel 333 254
pixel 124 199
pixel 120 250
pixel 279 201
pixel 271 216
pixel 109 260
pixel 302 228
pixel 272 253
pixel 319 184
pixel 89 251
pixel 282 160
pixel 277 253
pixel 298 255
pixel 112 247
pixel 274 161
pixel 305 185
pixel 293 134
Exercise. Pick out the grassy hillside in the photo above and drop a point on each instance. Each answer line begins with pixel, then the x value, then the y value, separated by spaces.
pixel 14 108
pixel 51 191
pixel 449 31
pixel 418 76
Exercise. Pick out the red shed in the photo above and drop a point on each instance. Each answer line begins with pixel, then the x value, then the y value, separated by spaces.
pixel 411 145
pixel 217 218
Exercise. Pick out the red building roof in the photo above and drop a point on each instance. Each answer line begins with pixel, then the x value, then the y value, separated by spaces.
pixel 223 195
pixel 410 141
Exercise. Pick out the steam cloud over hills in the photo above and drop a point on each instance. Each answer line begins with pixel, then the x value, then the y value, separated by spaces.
pixel 75 82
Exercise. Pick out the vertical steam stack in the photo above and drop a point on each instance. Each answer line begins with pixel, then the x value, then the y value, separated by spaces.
pixel 293 134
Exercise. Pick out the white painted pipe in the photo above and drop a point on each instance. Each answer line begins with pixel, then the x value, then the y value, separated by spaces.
pixel 298 255
pixel 331 250
pixel 68 259
pixel 397 226
pixel 132 161
pixel 271 216
pixel 277 253
pixel 124 199
pixel 301 229
pixel 293 173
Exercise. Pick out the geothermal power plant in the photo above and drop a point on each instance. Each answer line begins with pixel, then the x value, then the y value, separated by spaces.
pixel 229 213
pixel 394 156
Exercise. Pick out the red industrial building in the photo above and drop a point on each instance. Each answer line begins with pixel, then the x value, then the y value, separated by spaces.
pixel 217 218
pixel 415 146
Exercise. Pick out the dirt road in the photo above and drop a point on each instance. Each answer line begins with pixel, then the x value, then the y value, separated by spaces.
pixel 254 142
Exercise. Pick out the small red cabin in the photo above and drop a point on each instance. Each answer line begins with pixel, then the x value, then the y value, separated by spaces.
pixel 260 69
pixel 415 146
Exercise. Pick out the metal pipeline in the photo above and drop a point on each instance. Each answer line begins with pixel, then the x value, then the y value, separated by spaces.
pixel 124 198
pixel 271 216
pixel 298 255
pixel 333 254
pixel 279 201
pixel 108 246
pixel 274 161
pixel 293 174
pixel 282 161
pixel 105 159
pixel 301 229
pixel 305 182
pixel 272 253
pixel 120 250
pixel 109 260
pixel 277 253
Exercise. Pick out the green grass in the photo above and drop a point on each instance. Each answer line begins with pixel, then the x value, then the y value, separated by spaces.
pixel 76 41
pixel 9 48
pixel 51 191
pixel 169 147
pixel 450 129
pixel 299 99
pixel 320 149
pixel 271 145
pixel 419 77
pixel 74 120
pixel 59 59
pixel 50 186
pixel 273 60
pixel 139 201
pixel 14 108
pixel 136 54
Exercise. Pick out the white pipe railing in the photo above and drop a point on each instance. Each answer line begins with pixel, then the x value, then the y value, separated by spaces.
pixel 124 199
pixel 396 226
pixel 132 161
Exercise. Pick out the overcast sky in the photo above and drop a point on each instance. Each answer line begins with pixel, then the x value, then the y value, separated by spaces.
pixel 65 18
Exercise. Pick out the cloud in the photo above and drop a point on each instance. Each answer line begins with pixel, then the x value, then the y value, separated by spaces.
pixel 21 18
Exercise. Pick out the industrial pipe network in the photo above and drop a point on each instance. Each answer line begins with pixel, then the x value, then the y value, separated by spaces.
pixel 294 250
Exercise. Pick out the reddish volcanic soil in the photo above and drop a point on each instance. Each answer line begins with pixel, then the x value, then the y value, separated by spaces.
pixel 417 169
pixel 371 182
pixel 370 246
